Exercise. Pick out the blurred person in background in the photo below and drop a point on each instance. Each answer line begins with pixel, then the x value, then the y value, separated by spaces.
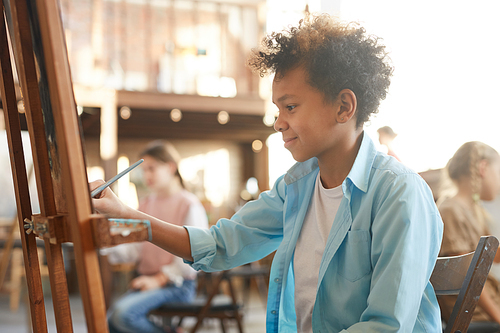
pixel 493 209
pixel 386 138
pixel 163 277
pixel 474 170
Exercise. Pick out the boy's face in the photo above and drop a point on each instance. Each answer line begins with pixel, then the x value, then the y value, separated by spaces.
pixel 308 124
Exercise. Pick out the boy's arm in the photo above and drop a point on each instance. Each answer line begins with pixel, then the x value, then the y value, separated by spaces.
pixel 170 237
pixel 255 231
pixel 252 233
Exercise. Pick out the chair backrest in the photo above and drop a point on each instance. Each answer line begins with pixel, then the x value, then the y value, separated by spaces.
pixel 210 303
pixel 465 276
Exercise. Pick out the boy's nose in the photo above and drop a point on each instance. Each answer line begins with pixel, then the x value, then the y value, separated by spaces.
pixel 280 125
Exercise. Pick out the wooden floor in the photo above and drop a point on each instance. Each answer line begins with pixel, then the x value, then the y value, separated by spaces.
pixel 16 322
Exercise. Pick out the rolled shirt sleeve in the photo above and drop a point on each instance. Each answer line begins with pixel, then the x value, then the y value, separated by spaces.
pixel 252 233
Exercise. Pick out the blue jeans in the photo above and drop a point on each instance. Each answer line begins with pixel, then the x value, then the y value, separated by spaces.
pixel 129 314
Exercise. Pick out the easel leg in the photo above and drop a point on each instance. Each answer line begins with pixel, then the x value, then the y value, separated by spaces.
pixel 107 279
pixel 13 130
pixel 58 287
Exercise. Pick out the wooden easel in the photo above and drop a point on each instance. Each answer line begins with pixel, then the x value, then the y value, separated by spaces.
pixel 39 50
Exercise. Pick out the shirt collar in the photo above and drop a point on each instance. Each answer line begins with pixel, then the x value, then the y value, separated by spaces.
pixel 300 169
pixel 360 171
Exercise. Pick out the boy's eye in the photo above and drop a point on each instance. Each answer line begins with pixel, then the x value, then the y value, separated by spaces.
pixel 290 107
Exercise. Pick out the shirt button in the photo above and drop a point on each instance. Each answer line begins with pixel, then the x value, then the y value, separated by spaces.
pixel 273 312
pixel 277 280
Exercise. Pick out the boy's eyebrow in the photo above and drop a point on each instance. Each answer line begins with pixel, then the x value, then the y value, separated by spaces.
pixel 284 97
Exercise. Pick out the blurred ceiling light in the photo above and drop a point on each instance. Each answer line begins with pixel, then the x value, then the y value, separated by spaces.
pixel 257 146
pixel 125 112
pixel 245 195
pixel 268 119
pixel 223 117
pixel 176 115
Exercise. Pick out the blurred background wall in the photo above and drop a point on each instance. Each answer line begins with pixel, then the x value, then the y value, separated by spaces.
pixel 175 70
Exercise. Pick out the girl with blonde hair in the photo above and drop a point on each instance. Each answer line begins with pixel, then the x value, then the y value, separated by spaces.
pixel 474 170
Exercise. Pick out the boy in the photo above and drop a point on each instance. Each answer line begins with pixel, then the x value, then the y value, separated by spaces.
pixel 356 234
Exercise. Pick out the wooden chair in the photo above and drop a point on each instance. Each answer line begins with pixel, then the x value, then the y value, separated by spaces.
pixel 465 276
pixel 209 304
pixel 11 254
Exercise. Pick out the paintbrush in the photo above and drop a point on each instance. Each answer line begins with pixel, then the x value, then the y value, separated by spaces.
pixel 101 188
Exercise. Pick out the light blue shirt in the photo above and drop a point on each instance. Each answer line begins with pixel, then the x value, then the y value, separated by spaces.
pixel 379 255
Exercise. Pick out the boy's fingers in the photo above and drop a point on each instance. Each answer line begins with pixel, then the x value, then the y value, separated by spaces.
pixel 95 184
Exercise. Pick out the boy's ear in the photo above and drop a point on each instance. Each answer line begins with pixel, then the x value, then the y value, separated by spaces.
pixel 348 103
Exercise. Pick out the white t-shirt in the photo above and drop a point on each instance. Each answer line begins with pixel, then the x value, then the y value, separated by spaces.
pixel 309 250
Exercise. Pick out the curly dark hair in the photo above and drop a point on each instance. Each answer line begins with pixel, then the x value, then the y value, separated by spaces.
pixel 336 56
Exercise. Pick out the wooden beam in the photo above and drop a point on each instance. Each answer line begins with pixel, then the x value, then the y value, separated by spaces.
pixel 154 124
pixel 161 101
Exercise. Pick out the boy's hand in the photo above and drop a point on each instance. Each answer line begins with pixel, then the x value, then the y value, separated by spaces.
pixel 107 203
